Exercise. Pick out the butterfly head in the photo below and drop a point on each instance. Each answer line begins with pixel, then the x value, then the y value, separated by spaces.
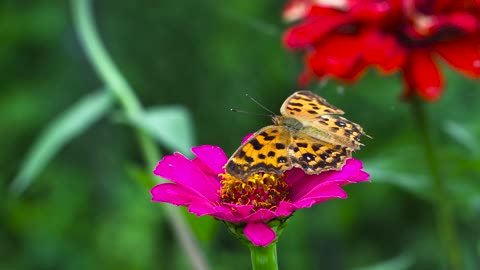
pixel 278 120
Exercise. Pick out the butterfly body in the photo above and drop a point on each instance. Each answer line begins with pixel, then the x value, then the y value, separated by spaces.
pixel 289 122
pixel 309 134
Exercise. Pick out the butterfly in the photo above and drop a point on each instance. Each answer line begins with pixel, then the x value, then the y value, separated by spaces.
pixel 309 134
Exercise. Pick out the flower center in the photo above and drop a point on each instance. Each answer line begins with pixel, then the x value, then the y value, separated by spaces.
pixel 262 190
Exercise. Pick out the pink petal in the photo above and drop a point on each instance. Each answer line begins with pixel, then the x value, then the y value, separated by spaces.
pixel 307 183
pixel 240 211
pixel 220 212
pixel 247 137
pixel 176 194
pixel 201 209
pixel 294 175
pixel 183 171
pixel 204 167
pixel 259 234
pixel 361 177
pixel 349 172
pixel 422 74
pixel 463 54
pixel 212 156
pixel 261 215
pixel 285 209
pixel 354 162
pixel 319 195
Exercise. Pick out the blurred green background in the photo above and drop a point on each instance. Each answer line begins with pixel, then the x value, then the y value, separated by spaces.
pixel 85 210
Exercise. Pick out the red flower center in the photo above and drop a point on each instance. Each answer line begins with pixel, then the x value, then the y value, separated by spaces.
pixel 262 190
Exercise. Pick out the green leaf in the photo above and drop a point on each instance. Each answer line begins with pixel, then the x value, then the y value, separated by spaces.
pixel 139 174
pixel 204 227
pixel 401 167
pixel 418 184
pixel 58 133
pixel 461 135
pixel 401 262
pixel 171 126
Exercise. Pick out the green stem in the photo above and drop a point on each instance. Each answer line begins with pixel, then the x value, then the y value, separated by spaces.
pixel 264 258
pixel 118 85
pixel 445 220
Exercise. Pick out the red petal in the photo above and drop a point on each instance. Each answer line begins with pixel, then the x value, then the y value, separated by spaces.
pixel 322 11
pixel 308 33
pixel 384 51
pixel 462 21
pixel 422 74
pixel 370 11
pixel 463 54
pixel 435 6
pixel 315 64
pixel 355 72
pixel 305 78
pixel 341 55
pixel 323 62
pixel 471 6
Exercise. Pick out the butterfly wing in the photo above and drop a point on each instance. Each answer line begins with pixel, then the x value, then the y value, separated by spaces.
pixel 265 151
pixel 322 119
pixel 343 131
pixel 307 105
pixel 314 156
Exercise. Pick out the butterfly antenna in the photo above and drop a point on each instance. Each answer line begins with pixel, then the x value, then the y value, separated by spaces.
pixel 242 111
pixel 259 104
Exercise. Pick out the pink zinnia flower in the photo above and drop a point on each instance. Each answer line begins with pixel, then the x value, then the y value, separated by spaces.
pixel 342 38
pixel 202 185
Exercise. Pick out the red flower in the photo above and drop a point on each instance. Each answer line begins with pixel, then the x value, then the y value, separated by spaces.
pixel 344 37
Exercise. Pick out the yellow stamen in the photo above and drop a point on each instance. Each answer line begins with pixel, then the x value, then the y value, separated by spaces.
pixel 262 190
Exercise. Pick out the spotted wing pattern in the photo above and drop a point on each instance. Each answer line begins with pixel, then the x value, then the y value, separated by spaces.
pixel 345 131
pixel 310 135
pixel 265 151
pixel 316 112
pixel 307 105
pixel 314 156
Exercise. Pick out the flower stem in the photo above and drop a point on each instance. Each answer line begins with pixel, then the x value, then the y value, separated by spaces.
pixel 118 85
pixel 445 220
pixel 264 258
